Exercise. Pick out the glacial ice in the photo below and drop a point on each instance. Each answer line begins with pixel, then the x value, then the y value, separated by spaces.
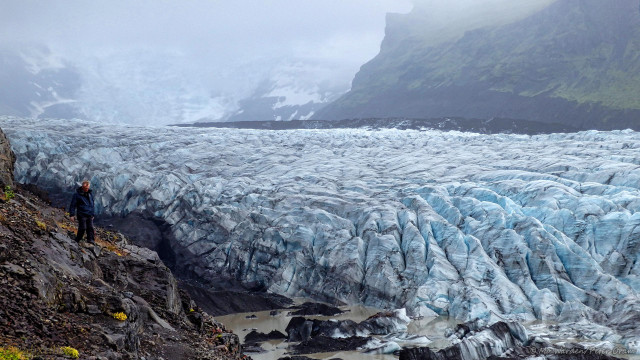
pixel 489 227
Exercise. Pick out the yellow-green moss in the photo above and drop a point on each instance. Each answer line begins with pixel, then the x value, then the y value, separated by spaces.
pixel 12 353
pixel 70 352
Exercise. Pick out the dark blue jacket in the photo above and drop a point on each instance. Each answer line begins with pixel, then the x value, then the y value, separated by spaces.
pixel 83 202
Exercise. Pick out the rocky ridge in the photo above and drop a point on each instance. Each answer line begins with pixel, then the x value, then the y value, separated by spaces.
pixel 109 300
pixel 572 62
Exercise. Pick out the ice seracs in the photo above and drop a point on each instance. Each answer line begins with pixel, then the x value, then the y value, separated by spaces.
pixel 489 227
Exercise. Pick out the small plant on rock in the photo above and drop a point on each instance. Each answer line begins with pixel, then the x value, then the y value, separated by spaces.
pixel 8 193
pixel 120 316
pixel 70 352
pixel 41 225
pixel 12 353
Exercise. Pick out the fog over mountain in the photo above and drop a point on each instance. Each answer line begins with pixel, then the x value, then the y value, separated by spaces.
pixel 165 62
pixel 159 63
pixel 573 62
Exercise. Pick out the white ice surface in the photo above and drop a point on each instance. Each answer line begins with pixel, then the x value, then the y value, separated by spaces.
pixel 476 226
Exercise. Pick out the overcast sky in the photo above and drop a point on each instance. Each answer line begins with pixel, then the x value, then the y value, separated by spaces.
pixel 217 30
pixel 216 52
pixel 223 49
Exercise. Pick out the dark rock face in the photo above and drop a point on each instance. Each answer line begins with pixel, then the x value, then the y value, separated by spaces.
pixel 567 63
pixel 223 302
pixel 302 329
pixel 143 230
pixel 328 344
pixel 107 300
pixel 7 158
pixel 298 357
pixel 256 337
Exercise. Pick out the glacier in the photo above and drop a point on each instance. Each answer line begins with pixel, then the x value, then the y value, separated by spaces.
pixel 477 227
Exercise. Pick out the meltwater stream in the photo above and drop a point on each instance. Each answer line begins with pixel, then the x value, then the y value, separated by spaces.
pixel 242 324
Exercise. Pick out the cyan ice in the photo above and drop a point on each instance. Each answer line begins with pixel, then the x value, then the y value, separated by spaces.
pixel 493 227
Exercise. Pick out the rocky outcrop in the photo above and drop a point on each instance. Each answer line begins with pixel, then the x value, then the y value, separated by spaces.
pixel 255 337
pixel 564 61
pixel 322 344
pixel 7 160
pixel 109 300
pixel 384 323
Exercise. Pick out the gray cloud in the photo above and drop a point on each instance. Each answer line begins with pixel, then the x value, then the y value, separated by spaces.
pixel 135 54
pixel 216 29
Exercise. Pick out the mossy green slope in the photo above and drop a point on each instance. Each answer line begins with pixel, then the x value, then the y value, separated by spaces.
pixel 571 61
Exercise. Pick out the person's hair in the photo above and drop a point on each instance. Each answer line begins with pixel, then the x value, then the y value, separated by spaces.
pixel 86 182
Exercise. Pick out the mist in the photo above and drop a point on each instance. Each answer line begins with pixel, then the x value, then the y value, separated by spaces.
pixel 160 62
pixel 206 54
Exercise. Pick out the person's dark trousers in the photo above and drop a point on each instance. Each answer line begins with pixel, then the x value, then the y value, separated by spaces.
pixel 85 224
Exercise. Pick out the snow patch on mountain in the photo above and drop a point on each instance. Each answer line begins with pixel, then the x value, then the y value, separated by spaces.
pixel 159 87
pixel 38 59
pixel 293 90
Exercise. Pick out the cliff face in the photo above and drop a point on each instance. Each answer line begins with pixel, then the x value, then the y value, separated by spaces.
pixel 7 159
pixel 111 300
pixel 574 62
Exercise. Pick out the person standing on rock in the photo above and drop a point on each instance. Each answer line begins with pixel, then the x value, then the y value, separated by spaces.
pixel 82 202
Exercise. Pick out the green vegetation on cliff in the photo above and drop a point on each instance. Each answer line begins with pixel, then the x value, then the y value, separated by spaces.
pixel 570 61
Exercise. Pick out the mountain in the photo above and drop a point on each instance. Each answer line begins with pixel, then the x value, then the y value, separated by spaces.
pixel 290 90
pixel 474 227
pixel 37 83
pixel 161 87
pixel 573 62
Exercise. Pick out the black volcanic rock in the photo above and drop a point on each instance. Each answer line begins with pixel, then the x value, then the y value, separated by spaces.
pixel 7 159
pixel 328 344
pixel 222 302
pixel 310 308
pixel 257 337
pixel 110 299
pixel 383 323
